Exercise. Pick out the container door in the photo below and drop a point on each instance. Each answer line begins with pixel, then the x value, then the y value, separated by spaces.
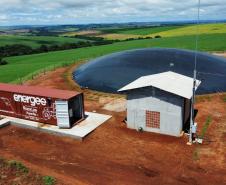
pixel 62 114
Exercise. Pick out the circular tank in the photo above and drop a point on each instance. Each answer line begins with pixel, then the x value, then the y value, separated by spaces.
pixel 111 72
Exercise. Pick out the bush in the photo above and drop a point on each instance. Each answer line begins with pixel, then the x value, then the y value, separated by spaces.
pixel 48 180
pixel 148 37
pixel 158 37
pixel 18 166
pixel 3 62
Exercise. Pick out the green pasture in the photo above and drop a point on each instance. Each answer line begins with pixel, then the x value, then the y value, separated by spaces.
pixel 35 41
pixel 146 31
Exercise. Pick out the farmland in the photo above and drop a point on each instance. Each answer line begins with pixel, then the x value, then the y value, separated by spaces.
pixel 163 31
pixel 21 66
pixel 192 30
pixel 141 31
pixel 36 41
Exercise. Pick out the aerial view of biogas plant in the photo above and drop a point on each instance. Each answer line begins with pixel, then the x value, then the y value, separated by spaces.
pixel 112 92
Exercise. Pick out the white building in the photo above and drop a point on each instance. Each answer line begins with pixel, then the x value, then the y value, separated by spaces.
pixel 159 103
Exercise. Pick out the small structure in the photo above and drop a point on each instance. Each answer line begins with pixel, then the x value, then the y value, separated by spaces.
pixel 159 103
pixel 50 106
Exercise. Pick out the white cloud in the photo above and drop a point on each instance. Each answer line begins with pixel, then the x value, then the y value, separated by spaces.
pixel 3 17
pixel 87 11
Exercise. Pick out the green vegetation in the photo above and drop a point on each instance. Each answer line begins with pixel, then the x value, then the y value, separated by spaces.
pixel 36 41
pixel 15 173
pixel 163 31
pixel 18 166
pixel 47 180
pixel 192 30
pixel 196 155
pixel 2 62
pixel 224 98
pixel 22 66
pixel 205 126
pixel 196 152
pixel 145 31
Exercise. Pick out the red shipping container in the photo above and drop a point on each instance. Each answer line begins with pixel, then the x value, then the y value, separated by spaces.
pixel 56 107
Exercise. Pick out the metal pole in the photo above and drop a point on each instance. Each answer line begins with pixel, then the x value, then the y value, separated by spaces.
pixel 194 76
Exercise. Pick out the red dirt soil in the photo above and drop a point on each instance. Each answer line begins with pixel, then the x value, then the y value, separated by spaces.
pixel 113 154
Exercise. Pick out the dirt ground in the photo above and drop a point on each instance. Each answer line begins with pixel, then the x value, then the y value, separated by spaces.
pixel 115 155
pixel 222 54
pixel 15 173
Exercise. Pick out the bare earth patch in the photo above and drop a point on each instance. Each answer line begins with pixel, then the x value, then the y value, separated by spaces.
pixel 220 54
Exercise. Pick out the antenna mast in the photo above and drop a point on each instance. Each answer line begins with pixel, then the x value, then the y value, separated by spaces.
pixel 194 75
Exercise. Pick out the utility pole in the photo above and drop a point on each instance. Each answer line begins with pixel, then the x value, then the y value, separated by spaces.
pixel 192 119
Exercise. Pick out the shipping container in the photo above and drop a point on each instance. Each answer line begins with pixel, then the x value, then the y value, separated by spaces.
pixel 51 106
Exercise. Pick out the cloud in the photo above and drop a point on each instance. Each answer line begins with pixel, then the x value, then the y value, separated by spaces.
pixel 99 11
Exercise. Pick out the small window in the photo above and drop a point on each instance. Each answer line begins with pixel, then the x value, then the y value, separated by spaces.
pixel 152 119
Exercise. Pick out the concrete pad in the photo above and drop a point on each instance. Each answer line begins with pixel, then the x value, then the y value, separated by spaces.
pixel 4 122
pixel 79 131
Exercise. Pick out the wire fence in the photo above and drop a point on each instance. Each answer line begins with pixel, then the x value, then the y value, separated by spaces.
pixel 31 76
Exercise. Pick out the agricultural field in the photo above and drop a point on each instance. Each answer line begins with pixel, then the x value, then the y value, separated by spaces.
pixel 118 36
pixel 22 67
pixel 36 41
pixel 141 31
pixel 84 32
pixel 163 31
pixel 122 33
pixel 117 33
pixel 192 30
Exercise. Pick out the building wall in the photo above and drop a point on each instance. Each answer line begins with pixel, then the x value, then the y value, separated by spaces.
pixel 169 105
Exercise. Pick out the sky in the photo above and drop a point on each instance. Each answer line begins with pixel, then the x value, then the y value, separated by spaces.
pixel 45 12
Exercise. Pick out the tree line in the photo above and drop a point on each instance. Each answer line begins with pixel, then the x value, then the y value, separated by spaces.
pixel 20 49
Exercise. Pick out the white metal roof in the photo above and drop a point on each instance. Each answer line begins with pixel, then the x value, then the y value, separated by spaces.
pixel 168 81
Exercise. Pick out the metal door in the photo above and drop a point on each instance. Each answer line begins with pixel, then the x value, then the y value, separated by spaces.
pixel 62 114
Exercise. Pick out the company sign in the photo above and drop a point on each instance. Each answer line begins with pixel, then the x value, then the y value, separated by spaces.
pixel 33 101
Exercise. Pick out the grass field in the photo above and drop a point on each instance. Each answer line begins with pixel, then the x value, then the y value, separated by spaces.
pixel 145 31
pixel 22 66
pixel 35 41
pixel 192 30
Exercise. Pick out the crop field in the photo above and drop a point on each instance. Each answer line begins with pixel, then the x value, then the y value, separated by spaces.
pixel 192 30
pixel 118 36
pixel 164 31
pixel 84 32
pixel 143 31
pixel 22 66
pixel 35 41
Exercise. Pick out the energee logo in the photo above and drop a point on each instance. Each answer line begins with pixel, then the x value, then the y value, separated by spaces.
pixel 33 101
